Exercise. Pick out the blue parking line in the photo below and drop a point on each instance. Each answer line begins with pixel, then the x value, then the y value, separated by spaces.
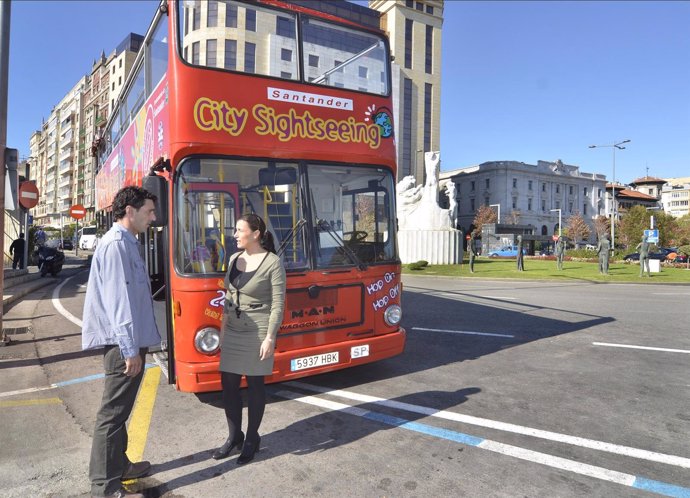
pixel 88 378
pixel 661 488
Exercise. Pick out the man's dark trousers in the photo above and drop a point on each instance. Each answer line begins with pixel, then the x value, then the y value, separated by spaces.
pixel 108 460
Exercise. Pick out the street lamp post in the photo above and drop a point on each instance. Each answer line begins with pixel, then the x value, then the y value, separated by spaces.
pixel 498 215
pixel 559 220
pixel 614 146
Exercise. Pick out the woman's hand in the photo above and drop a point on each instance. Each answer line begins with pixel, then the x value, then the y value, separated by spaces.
pixel 266 349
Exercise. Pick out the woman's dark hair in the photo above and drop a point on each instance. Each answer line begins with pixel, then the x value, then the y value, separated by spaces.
pixel 265 237
pixel 130 196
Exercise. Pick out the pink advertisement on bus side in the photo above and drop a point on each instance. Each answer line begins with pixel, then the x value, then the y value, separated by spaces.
pixel 143 143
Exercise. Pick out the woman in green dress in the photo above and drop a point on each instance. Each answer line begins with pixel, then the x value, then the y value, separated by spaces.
pixel 253 312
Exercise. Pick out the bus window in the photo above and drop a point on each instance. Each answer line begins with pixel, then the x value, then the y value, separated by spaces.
pixel 158 54
pixel 353 214
pixel 213 193
pixel 347 58
pixel 218 41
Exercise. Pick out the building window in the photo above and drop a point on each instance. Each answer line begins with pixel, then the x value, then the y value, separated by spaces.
pixel 570 190
pixel 362 72
pixel 472 205
pixel 196 15
pixel 543 205
pixel 487 182
pixel 211 47
pixel 419 6
pixel 195 53
pixel 599 193
pixel 429 10
pixel 249 57
pixel 558 189
pixel 584 209
pixel 313 60
pixel 514 182
pixel 250 20
pixel 570 207
pixel 286 75
pixel 429 50
pixel 285 27
pixel 407 127
pixel 409 3
pixel 230 54
pixel 472 186
pixel 286 55
pixel 428 90
pixel 558 204
pixel 408 43
pixel 529 185
pixel 650 191
pixel 486 201
pixel 212 14
pixel 514 202
pixel 529 204
pixel 120 63
pixel 543 187
pixel 585 191
pixel 230 15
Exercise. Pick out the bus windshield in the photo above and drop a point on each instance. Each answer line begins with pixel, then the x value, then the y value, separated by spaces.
pixel 259 40
pixel 348 209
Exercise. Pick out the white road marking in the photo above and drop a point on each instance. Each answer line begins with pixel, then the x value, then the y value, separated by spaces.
pixel 502 426
pixel 648 348
pixel 465 332
pixel 594 471
pixel 61 309
pixel 499 297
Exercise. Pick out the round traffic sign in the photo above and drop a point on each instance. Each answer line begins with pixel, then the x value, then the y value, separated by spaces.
pixel 28 195
pixel 77 211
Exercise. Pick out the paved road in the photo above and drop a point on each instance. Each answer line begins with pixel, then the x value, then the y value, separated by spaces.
pixel 505 389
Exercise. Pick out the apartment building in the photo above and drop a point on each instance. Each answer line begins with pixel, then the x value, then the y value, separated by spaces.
pixel 527 194
pixel 63 163
pixel 414 30
pixel 675 196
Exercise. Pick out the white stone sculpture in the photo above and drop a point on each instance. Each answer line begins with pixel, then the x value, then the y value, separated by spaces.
pixel 452 204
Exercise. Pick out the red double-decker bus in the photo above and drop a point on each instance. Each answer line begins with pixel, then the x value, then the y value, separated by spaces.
pixel 282 109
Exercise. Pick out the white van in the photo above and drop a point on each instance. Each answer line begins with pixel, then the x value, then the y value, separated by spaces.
pixel 87 238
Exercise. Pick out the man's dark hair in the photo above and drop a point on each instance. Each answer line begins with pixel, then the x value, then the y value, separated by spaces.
pixel 130 196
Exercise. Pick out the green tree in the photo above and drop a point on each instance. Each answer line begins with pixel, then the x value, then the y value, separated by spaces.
pixel 631 227
pixel 578 229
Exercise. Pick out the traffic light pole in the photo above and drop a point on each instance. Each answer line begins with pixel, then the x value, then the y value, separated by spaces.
pixel 5 9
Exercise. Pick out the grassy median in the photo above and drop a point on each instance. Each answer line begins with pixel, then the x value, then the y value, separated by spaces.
pixel 538 268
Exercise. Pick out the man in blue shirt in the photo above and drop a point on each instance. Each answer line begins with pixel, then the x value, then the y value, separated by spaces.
pixel 118 317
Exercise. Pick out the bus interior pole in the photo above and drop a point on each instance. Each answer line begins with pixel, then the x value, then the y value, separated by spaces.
pixel 5 9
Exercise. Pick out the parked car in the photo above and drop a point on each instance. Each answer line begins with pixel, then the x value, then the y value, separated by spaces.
pixel 506 252
pixel 661 254
pixel 67 245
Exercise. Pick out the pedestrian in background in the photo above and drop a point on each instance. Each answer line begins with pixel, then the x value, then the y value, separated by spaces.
pixel 473 250
pixel 17 252
pixel 603 248
pixel 253 312
pixel 118 317
pixel 40 237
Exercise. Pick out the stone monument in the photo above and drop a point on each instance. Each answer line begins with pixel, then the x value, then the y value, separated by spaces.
pixel 427 232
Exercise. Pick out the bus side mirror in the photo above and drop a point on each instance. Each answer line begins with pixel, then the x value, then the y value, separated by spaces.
pixel 158 186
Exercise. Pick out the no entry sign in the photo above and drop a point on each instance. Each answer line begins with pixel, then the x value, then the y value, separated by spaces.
pixel 77 211
pixel 28 195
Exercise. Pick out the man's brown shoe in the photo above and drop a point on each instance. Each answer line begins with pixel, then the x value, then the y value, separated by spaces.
pixel 136 470
pixel 122 493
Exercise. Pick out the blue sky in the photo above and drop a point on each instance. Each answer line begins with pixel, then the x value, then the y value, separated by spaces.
pixel 520 80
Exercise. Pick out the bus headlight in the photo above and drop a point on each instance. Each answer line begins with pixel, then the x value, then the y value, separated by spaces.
pixel 207 340
pixel 393 315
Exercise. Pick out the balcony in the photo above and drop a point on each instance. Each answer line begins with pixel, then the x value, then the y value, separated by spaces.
pixel 65 181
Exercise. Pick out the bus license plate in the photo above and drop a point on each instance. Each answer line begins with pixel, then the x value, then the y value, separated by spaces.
pixel 318 360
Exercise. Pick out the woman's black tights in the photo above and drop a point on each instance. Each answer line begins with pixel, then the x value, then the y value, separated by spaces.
pixel 232 402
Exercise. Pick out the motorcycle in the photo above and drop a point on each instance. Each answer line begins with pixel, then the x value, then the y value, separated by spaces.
pixel 50 259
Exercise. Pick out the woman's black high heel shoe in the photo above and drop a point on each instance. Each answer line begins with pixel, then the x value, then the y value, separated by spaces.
pixel 228 446
pixel 250 447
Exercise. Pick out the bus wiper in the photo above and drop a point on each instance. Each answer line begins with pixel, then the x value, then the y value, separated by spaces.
pixel 291 235
pixel 364 52
pixel 324 226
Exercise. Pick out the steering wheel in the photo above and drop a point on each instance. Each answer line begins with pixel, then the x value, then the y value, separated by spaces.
pixel 357 235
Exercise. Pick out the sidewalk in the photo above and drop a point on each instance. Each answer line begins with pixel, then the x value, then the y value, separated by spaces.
pixel 43 447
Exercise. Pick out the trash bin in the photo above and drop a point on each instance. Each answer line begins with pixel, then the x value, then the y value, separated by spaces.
pixel 654 266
